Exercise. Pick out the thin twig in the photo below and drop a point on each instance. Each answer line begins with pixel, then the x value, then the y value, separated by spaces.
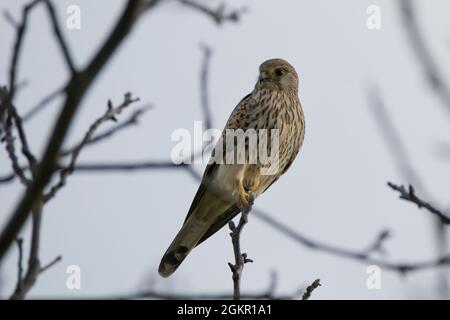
pixel 402 161
pixel 313 286
pixel 10 19
pixel 86 167
pixel 239 258
pixel 51 264
pixel 110 114
pixel 268 294
pixel 410 195
pixel 23 138
pixel 59 36
pixel 19 242
pixel 219 15
pixel 432 72
pixel 43 103
pixel 361 256
pixel 377 244
pixel 132 120
pixel 34 266
pixel 10 149
pixel 204 79
pixel 24 284
pixel 8 138
pixel 391 137
pixel 18 46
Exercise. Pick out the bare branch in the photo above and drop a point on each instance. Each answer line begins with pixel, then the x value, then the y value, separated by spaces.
pixel 5 103
pixel 87 167
pixel 43 103
pixel 59 36
pixel 18 46
pixel 268 294
pixel 361 256
pixel 132 120
pixel 76 89
pixel 51 264
pixel 10 19
pixel 432 72
pixel 391 136
pixel 402 161
pixel 19 242
pixel 377 245
pixel 204 77
pixel 239 258
pixel 219 15
pixel 24 284
pixel 11 150
pixel 410 195
pixel 153 294
pixel 110 114
pixel 10 176
pixel 34 266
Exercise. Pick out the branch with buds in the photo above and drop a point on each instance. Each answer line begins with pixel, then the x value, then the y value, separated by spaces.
pixel 240 259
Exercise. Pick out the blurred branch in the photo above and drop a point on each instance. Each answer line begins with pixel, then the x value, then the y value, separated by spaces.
pixel 377 245
pixel 151 294
pixel 44 102
pixel 410 195
pixel 10 19
pixel 34 266
pixel 268 294
pixel 110 114
pixel 204 77
pixel 59 36
pixel 391 137
pixel 362 256
pixel 20 32
pixel 219 15
pixel 432 72
pixel 401 160
pixel 240 259
pixel 313 286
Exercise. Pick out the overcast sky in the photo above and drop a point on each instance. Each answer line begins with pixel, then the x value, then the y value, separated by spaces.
pixel 116 226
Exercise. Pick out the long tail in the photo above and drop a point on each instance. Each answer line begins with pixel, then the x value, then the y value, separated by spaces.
pixel 206 211
pixel 186 239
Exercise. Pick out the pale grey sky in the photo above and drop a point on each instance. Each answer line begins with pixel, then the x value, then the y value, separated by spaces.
pixel 117 226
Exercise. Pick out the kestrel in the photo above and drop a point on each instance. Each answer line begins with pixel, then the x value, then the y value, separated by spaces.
pixel 225 188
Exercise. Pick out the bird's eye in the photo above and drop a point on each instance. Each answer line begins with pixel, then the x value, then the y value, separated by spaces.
pixel 279 72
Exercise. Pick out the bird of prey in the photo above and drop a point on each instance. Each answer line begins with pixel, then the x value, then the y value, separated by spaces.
pixel 226 186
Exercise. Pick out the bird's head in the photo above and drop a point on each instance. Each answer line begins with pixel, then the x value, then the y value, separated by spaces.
pixel 277 74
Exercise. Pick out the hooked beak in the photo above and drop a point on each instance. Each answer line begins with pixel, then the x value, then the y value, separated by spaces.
pixel 262 76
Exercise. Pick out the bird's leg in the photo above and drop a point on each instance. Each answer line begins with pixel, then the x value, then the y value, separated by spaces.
pixel 248 186
pixel 243 196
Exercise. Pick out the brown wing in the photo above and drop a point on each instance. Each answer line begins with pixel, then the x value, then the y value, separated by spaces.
pixel 201 189
pixel 231 212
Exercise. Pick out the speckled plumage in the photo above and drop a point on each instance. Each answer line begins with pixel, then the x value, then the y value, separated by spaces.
pixel 273 104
